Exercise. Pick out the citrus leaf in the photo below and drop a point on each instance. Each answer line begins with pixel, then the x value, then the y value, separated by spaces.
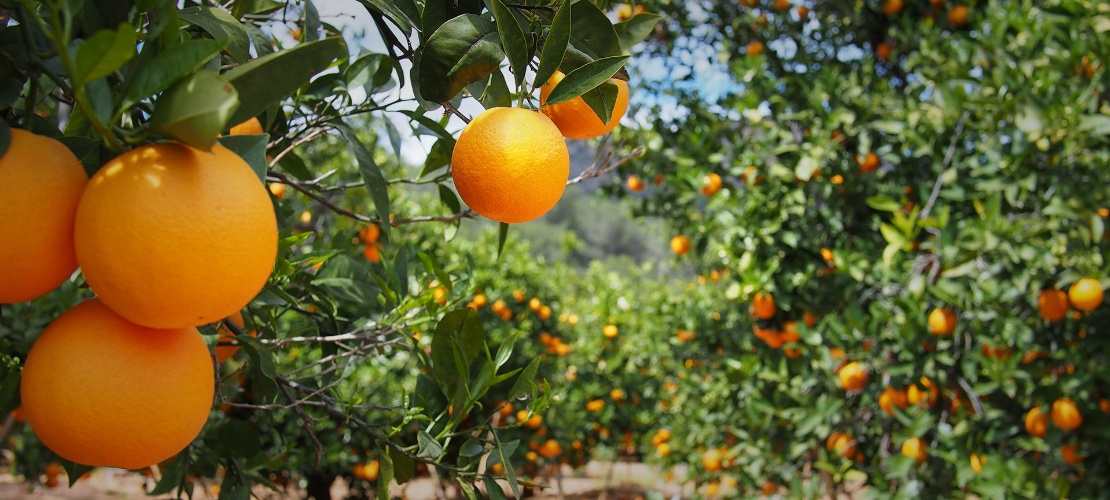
pixel 251 148
pixel 585 78
pixel 268 80
pixel 602 100
pixel 169 66
pixel 462 51
pixel 592 37
pixel 555 47
pixel 493 92
pixel 312 24
pixel 372 72
pixel 196 109
pixel 429 447
pixel 172 475
pixel 104 53
pixel 385 476
pixel 636 30
pixel 222 26
pixel 371 174
pixel 402 12
pixel 512 40
pixel 403 466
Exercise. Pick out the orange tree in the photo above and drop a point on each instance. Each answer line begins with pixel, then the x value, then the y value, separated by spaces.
pixel 356 358
pixel 881 162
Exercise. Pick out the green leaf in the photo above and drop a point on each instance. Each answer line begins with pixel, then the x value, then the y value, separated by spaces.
pixel 263 370
pixel 74 470
pixel 402 12
pixel 438 157
pixel 173 475
pixel 169 66
pixel 512 40
pixel 255 7
pixel 270 79
pixel 883 203
pixel 592 37
pixel 1095 124
pixel 493 489
pixel 602 100
pixel 636 30
pixel 525 380
pixel 462 51
pixel 312 25
pixel 585 78
pixel 493 92
pixel 222 26
pixel 502 453
pixel 251 148
pixel 404 468
pixel 385 476
pixel 555 46
pixel 429 447
pixel 502 235
pixel 371 174
pixel 104 53
pixel 237 438
pixel 196 109
pixel 371 72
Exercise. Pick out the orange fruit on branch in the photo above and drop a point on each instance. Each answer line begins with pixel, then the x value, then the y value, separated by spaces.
pixel 1036 422
pixel 1065 415
pixel 763 305
pixel 170 236
pixel 711 184
pixel 102 391
pixel 942 321
pixel 853 376
pixel 1085 294
pixel 575 118
pixel 916 449
pixel 510 164
pixel 928 395
pixel 41 183
pixel 1052 304
pixel 680 244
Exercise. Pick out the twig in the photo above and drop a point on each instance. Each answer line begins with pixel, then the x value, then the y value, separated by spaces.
pixel 306 421
pixel 947 162
pixel 451 109
pixel 602 168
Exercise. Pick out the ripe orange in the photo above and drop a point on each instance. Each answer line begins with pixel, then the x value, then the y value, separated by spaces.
pixel 769 487
pixel 790 332
pixel 883 51
pixel 1036 422
pixel 635 184
pixel 510 164
pixel 803 12
pixel 853 376
pixel 782 5
pixel 41 183
pixel 916 449
pixel 711 184
pixel 868 163
pixel 680 244
pixel 958 15
pixel 1065 416
pixel 595 405
pixel 170 236
pixel 550 449
pixel 102 391
pixel 610 331
pixel 576 119
pixel 249 127
pixel 928 395
pixel 1086 294
pixel 711 460
pixel 277 189
pixel 755 48
pixel 942 321
pixel 372 252
pixel 977 463
pixel 763 305
pixel 892 397
pixel 663 449
pixel 841 444
pixel 1052 304
pixel 1068 453
pixel 370 470
pixel 224 352
pixel 892 7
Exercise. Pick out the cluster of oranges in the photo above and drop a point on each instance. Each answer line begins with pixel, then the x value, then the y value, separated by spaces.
pixel 169 238
pixel 661 441
pixel 371 249
pixel 512 164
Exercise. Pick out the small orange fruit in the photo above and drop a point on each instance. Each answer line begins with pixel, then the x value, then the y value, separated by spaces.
pixel 958 15
pixel 680 244
pixel 663 449
pixel 763 305
pixel 892 397
pixel 883 50
pixel 510 164
pixel 868 163
pixel 1052 304
pixel 1065 415
pixel 635 183
pixel 892 7
pixel 711 460
pixel 928 395
pixel 595 405
pixel 1068 453
pixel 550 449
pixel 853 376
pixel 576 119
pixel 769 487
pixel 916 449
pixel 610 331
pixel 711 184
pixel 841 444
pixel 249 127
pixel 755 48
pixel 803 12
pixel 977 462
pixel 170 236
pixel 942 321
pixel 41 183
pixel 1036 422
pixel 1085 294
pixel 102 391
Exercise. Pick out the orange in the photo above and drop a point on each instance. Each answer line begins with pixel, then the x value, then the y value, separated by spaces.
pixel 550 449
pixel 841 444
pixel 977 463
pixel 958 15
pixel 711 460
pixel 1036 422
pixel 635 184
pixel 755 48
pixel 1085 294
pixel 883 51
pixel 711 184
pixel 102 391
pixel 892 397
pixel 277 189
pixel 853 376
pixel 916 449
pixel 1065 416
pixel 370 470
pixel 224 352
pixel 663 449
pixel 942 321
pixel 1052 304
pixel 763 305
pixel 497 468
pixel 370 233
pixel 595 405
pixel 928 395
pixel 661 436
pixel 170 236
pixel 680 244
pixel 769 487
pixel 510 164
pixel 782 5
pixel 249 127
pixel 1068 453
pixel 372 253
pixel 809 319
pixel 827 255
pixel 616 395
pixel 868 163
pixel 576 119
pixel 41 183
pixel 892 7
pixel 610 331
